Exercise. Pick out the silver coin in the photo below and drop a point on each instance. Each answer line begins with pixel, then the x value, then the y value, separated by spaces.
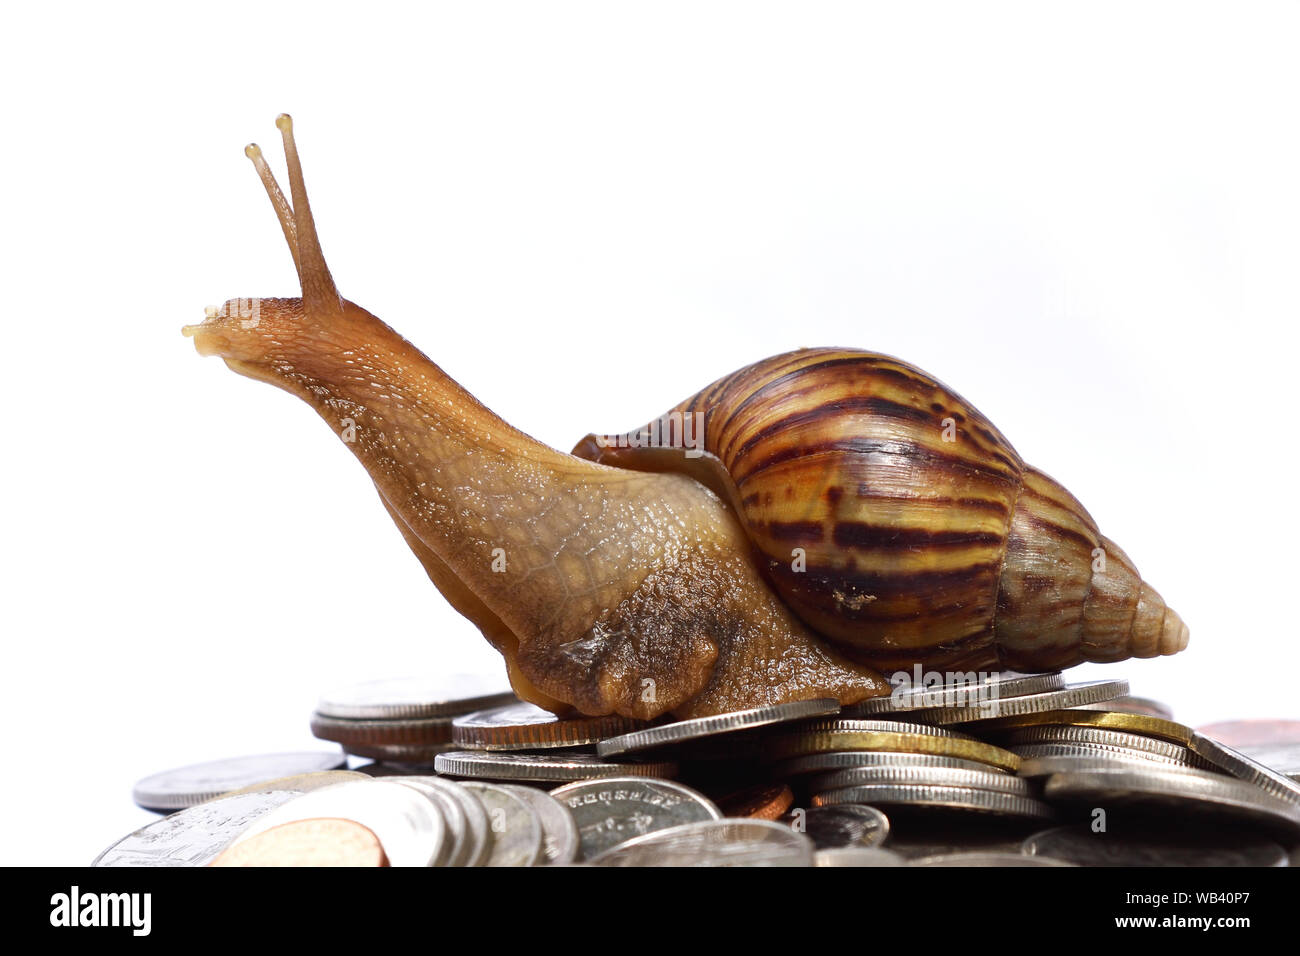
pixel 456 848
pixel 928 776
pixel 523 726
pixel 478 835
pixel 407 825
pixel 938 798
pixel 193 837
pixel 848 826
pixel 1095 737
pixel 714 843
pixel 908 697
pixel 609 812
pixel 558 767
pixel 559 830
pixel 1072 695
pixel 857 856
pixel 187 786
pixel 416 697
pixel 987 859
pixel 1043 760
pixel 1152 846
pixel 883 726
pixel 1284 758
pixel 1166 788
pixel 845 759
pixel 515 828
pixel 1144 706
pixel 1245 768
pixel 703 727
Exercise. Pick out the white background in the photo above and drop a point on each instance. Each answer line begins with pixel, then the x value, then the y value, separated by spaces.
pixel 1085 218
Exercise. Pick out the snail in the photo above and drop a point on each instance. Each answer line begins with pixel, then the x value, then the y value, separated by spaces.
pixel 796 530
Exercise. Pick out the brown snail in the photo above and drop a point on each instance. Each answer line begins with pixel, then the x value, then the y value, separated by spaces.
pixel 790 532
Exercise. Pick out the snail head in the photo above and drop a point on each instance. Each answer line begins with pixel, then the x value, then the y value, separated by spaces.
pixel 272 339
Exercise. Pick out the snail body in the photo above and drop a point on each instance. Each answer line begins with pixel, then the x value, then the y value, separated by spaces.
pixel 646 578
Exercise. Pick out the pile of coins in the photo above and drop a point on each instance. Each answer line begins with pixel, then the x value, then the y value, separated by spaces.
pixel 406 720
pixel 1014 770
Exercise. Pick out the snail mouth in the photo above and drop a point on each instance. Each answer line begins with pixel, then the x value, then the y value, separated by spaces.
pixel 212 337
pixel 216 336
pixel 208 338
pixel 242 331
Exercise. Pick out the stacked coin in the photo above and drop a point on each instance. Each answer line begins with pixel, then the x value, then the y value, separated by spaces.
pixel 896 764
pixel 408 720
pixel 396 821
pixel 1141 765
pixel 523 743
pixel 957 772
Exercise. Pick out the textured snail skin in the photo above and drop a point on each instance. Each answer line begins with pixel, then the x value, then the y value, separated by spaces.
pixel 927 539
pixel 643 591
pixel 622 592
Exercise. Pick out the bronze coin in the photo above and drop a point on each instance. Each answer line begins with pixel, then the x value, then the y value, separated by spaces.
pixel 423 732
pixel 766 801
pixel 319 842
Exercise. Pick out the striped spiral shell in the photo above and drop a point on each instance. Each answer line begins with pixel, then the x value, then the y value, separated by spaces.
pixel 899 523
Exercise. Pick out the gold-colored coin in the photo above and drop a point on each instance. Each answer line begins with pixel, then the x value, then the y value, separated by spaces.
pixel 299 782
pixel 802 744
pixel 1110 720
pixel 322 842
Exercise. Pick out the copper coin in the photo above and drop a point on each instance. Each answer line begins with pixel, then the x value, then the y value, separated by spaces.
pixel 415 732
pixel 319 842
pixel 766 801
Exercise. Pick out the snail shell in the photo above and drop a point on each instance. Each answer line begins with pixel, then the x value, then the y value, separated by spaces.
pixel 898 522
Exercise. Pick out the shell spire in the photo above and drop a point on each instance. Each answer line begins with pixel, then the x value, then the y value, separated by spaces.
pixel 1068 594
